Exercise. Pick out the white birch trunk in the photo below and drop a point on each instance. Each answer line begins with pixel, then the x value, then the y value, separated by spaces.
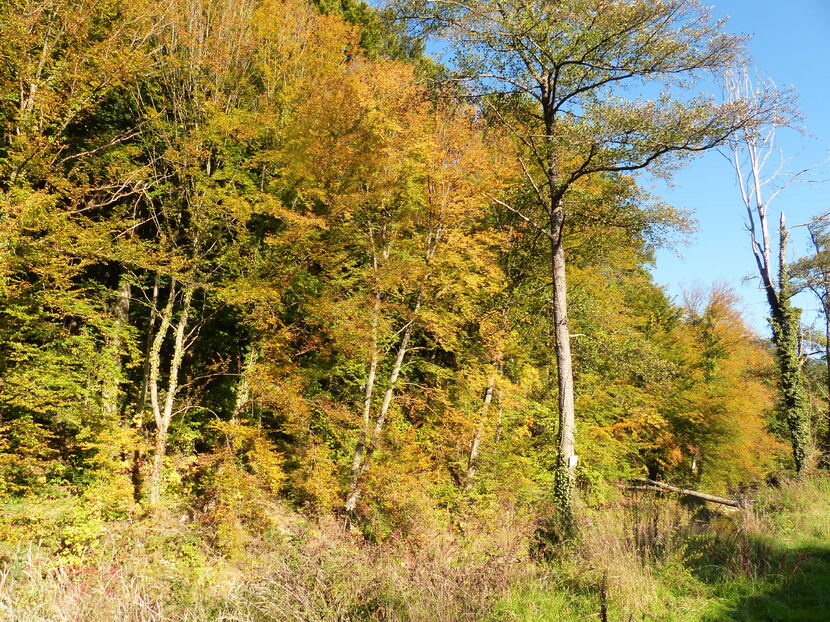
pixel 354 493
pixel 360 448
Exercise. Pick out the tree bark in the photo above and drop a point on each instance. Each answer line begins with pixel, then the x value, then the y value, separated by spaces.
pixel 565 474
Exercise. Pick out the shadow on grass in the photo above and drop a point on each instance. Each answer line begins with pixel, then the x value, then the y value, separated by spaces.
pixel 799 591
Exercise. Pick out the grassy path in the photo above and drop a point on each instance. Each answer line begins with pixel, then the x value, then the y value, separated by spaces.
pixel 774 568
pixel 804 596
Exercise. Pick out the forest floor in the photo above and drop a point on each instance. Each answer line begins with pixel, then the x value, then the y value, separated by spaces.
pixel 653 560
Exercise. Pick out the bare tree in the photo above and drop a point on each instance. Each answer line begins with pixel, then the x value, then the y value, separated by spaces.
pixel 752 154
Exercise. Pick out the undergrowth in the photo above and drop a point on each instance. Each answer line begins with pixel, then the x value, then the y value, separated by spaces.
pixel 648 559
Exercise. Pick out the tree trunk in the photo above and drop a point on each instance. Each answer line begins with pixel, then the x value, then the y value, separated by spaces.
pixel 474 447
pixel 655 485
pixel 360 448
pixel 154 359
pixel 164 415
pixel 141 404
pixel 785 323
pixel 354 491
pixel 565 475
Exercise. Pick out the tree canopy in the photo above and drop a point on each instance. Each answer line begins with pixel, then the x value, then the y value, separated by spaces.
pixel 254 250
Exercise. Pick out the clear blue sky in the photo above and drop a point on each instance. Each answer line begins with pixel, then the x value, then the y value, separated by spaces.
pixel 791 44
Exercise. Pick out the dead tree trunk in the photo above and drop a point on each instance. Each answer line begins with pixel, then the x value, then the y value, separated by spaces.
pixel 785 329
pixel 651 484
pixel 751 152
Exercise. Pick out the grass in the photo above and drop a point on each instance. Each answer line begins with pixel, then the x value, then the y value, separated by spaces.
pixel 662 563
pixel 798 535
pixel 650 561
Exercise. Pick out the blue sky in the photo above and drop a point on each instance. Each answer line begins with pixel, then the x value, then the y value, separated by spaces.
pixel 791 44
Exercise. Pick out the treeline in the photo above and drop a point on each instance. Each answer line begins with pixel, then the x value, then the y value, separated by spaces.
pixel 263 249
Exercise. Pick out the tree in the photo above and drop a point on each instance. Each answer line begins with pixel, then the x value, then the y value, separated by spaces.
pixel 563 78
pixel 214 107
pixel 750 152
pixel 67 184
pixel 722 412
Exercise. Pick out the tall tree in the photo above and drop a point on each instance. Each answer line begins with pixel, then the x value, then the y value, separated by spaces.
pixel 569 80
pixel 750 153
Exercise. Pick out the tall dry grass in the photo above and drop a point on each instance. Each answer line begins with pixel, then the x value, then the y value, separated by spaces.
pixel 650 558
pixel 167 572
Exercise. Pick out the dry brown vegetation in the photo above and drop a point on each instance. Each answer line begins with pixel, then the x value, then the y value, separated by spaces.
pixel 657 557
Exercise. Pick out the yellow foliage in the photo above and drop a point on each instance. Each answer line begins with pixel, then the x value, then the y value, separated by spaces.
pixel 246 474
pixel 314 484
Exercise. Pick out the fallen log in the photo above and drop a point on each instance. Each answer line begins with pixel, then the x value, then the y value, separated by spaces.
pixel 661 487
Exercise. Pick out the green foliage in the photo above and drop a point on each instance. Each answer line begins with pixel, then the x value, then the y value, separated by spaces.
pixel 25 456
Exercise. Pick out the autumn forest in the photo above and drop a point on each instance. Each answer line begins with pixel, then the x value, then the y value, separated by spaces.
pixel 298 322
